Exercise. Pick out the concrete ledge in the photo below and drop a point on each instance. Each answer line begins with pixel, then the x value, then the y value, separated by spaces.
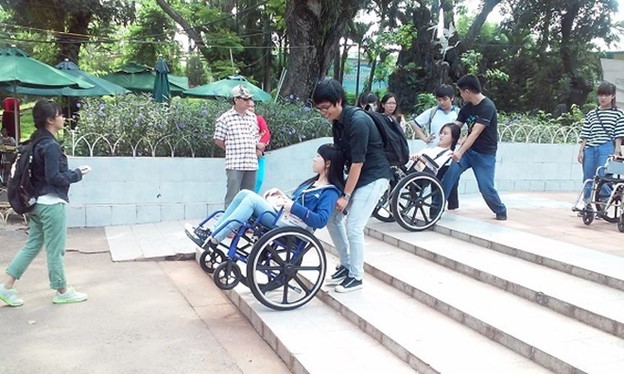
pixel 158 188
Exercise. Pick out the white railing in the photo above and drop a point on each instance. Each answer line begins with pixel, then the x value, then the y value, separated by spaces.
pixel 93 144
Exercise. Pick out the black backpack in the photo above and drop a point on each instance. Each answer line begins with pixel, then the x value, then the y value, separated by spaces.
pixel 21 191
pixel 394 141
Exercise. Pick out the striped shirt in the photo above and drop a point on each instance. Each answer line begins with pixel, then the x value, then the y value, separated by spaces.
pixel 240 134
pixel 602 126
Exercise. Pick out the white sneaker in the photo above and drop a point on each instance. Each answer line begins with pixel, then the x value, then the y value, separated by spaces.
pixel 9 296
pixel 70 296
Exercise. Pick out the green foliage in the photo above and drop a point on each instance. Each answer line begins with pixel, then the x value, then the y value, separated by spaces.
pixel 424 101
pixel 472 61
pixel 136 125
pixel 196 71
pixel 152 35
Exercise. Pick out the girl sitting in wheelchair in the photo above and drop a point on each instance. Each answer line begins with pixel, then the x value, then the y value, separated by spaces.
pixel 435 160
pixel 312 203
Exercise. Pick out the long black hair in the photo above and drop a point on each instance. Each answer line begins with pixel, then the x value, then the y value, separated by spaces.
pixel 455 133
pixel 336 158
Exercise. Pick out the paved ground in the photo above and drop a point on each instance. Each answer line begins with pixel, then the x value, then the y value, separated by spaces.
pixel 548 214
pixel 141 317
pixel 168 317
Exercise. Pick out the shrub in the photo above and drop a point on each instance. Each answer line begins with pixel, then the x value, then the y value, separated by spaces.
pixel 135 125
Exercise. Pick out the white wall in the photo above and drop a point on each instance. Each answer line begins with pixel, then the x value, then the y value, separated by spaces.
pixel 126 190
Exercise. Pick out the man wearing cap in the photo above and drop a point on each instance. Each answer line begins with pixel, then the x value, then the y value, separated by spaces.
pixel 236 131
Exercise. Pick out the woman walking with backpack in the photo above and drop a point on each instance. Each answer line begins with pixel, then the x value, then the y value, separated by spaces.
pixel 51 178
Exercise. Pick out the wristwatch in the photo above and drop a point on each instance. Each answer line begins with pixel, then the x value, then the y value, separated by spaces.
pixel 347 196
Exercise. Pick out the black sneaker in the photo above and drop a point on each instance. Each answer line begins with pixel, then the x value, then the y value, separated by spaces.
pixel 196 234
pixel 348 285
pixel 340 274
pixel 501 216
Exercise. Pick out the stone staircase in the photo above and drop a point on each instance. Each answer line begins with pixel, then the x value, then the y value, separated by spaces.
pixel 466 297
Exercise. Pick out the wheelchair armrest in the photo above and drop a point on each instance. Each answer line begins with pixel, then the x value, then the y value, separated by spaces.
pixel 430 160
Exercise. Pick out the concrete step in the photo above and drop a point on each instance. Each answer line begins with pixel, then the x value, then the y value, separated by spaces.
pixel 378 327
pixel 316 339
pixel 592 303
pixel 556 342
pixel 579 261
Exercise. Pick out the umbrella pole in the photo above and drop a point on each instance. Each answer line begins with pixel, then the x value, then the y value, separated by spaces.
pixel 15 114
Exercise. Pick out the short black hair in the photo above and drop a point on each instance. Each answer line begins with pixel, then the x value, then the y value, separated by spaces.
pixel 469 82
pixel 606 88
pixel 445 90
pixel 44 110
pixel 329 90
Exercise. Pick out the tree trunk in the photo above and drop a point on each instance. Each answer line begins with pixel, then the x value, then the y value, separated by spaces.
pixel 69 43
pixel 188 29
pixel 337 61
pixel 579 87
pixel 343 61
pixel 313 27
pixel 477 24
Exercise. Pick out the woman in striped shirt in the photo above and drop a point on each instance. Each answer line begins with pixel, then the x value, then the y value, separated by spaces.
pixel 602 127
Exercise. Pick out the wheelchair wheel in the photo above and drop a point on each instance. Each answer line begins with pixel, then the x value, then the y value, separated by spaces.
pixel 587 215
pixel 210 259
pixel 620 223
pixel 286 268
pixel 382 211
pixel 418 201
pixel 227 275
pixel 611 214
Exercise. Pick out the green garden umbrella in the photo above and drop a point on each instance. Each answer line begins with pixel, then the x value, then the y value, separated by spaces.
pixel 140 78
pixel 100 87
pixel 162 92
pixel 223 88
pixel 19 70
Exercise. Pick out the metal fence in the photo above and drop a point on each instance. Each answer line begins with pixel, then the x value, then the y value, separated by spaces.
pixel 93 144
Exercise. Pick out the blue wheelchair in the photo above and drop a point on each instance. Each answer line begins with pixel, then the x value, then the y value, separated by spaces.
pixel 285 265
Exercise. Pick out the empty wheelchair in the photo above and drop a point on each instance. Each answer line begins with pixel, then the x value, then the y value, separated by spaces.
pixel 284 266
pixel 607 190
pixel 414 199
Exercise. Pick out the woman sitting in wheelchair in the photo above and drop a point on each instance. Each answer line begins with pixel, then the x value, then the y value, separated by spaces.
pixel 312 203
pixel 433 159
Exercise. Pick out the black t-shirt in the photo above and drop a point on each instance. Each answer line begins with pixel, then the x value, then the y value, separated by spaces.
pixel 485 114
pixel 356 134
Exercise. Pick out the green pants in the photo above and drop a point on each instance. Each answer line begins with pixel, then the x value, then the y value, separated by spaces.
pixel 46 226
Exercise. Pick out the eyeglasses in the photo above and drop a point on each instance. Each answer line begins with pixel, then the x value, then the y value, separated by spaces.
pixel 324 108
pixel 244 99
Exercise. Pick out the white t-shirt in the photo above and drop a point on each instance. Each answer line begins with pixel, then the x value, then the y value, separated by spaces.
pixel 438 118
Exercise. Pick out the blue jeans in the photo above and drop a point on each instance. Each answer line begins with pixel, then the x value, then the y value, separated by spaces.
pixel 594 157
pixel 246 204
pixel 483 167
pixel 349 238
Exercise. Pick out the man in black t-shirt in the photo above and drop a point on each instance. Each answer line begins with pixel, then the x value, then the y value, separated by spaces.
pixel 478 151
pixel 368 176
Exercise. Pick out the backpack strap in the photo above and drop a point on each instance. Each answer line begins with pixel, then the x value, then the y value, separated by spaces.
pixel 432 113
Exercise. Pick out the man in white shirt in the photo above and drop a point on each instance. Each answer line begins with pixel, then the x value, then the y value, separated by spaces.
pixel 236 131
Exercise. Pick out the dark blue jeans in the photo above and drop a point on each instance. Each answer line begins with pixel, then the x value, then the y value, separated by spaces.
pixel 483 167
